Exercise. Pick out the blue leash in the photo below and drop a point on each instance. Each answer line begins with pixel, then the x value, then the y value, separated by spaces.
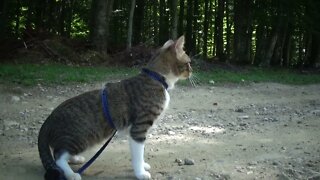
pixel 108 117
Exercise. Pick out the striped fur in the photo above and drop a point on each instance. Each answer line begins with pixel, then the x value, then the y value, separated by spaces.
pixel 134 103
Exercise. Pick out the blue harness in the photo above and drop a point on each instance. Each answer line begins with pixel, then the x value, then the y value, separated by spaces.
pixel 106 112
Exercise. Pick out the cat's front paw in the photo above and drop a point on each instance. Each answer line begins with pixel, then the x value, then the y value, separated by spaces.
pixel 143 175
pixel 146 166
pixel 74 176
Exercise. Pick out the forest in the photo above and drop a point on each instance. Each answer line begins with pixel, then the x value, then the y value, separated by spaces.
pixel 264 33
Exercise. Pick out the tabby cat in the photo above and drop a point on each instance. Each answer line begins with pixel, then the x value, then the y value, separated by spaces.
pixel 134 104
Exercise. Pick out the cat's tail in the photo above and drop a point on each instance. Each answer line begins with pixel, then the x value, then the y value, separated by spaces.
pixel 53 172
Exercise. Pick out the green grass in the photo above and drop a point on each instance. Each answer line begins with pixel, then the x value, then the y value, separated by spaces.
pixel 284 76
pixel 30 74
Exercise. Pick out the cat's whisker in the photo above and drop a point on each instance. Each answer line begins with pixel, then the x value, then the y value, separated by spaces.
pixel 192 82
pixel 195 81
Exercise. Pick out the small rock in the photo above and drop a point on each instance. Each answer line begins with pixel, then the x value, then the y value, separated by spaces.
pixel 188 161
pixel 171 133
pixel 15 99
pixel 316 112
pixel 275 163
pixel 179 161
pixel 243 117
pixel 239 110
pixel 211 82
pixel 252 163
pixel 243 124
pixel 249 172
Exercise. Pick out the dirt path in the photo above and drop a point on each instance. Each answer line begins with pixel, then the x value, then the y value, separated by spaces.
pixel 259 131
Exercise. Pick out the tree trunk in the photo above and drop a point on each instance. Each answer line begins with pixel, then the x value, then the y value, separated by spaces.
pixel 164 23
pixel 138 20
pixel 261 43
pixel 219 31
pixel 3 19
pixel 62 18
pixel 205 29
pixel 278 50
pixel 129 38
pixel 242 31
pixel 287 49
pixel 228 31
pixel 189 28
pixel 174 19
pixel 155 23
pixel 181 18
pixel 101 12
pixel 315 55
pixel 195 27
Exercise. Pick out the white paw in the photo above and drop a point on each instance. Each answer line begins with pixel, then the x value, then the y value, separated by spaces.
pixel 77 159
pixel 146 166
pixel 74 176
pixel 143 175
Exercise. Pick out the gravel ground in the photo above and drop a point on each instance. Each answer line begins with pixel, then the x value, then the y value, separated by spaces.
pixel 256 131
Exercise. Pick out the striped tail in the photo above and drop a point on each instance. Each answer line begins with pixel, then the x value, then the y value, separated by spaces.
pixel 53 172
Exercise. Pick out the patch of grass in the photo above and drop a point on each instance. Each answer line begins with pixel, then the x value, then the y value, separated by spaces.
pixel 30 74
pixel 284 76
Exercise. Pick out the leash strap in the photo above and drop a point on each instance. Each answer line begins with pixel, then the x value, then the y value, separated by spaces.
pixel 87 164
pixel 108 118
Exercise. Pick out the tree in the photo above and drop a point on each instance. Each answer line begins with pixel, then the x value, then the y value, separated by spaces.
pixel 174 19
pixel 133 4
pixel 218 34
pixel 138 20
pixel 181 18
pixel 242 31
pixel 163 23
pixel 205 29
pixel 189 28
pixel 101 12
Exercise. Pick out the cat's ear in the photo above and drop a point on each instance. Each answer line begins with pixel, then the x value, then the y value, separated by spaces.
pixel 178 47
pixel 179 44
pixel 167 44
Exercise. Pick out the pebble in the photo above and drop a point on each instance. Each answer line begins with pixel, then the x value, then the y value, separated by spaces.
pixel 179 161
pixel 15 98
pixel 316 112
pixel 188 161
pixel 239 110
pixel 243 117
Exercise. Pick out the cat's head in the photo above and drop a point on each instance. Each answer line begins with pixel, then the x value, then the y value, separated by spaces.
pixel 171 61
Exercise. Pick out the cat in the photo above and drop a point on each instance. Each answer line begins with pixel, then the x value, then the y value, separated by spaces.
pixel 134 104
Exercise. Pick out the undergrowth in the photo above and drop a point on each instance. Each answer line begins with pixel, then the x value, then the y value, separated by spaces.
pixel 31 74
